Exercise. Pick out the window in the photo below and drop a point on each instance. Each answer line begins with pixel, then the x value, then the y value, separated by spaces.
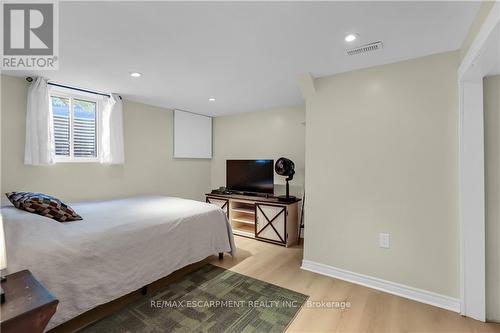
pixel 75 128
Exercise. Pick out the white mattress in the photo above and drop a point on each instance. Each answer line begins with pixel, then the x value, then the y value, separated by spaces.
pixel 118 247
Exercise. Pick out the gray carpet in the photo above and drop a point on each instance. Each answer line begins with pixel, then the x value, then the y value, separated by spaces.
pixel 210 299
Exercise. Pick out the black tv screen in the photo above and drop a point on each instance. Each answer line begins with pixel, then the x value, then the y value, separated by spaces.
pixel 256 176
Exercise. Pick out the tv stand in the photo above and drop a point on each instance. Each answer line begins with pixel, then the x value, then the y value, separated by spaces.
pixel 260 217
pixel 253 194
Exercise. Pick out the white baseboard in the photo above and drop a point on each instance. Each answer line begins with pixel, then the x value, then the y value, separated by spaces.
pixel 419 295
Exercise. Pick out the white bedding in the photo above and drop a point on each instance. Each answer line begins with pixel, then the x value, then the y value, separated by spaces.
pixel 118 247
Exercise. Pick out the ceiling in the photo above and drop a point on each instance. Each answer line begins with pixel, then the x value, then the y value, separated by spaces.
pixel 246 55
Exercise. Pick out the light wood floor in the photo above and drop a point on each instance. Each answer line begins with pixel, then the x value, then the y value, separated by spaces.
pixel 370 311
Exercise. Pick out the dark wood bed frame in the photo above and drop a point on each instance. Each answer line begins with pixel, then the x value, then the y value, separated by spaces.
pixel 107 309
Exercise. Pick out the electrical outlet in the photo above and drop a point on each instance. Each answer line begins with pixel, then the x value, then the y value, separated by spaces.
pixel 384 240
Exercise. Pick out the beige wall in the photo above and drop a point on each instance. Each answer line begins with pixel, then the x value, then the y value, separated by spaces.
pixel 492 188
pixel 149 167
pixel 266 134
pixel 381 151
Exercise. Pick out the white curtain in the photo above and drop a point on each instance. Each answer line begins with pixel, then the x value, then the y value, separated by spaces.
pixel 111 131
pixel 39 146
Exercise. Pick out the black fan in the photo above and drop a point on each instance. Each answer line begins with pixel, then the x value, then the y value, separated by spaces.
pixel 285 167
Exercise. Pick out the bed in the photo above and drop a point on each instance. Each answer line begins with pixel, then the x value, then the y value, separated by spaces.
pixel 118 247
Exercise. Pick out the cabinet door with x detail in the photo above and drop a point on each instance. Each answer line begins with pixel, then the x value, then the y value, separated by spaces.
pixel 270 222
pixel 222 203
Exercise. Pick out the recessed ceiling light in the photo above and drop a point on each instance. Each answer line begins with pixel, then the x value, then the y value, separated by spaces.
pixel 351 37
pixel 135 74
pixel 211 99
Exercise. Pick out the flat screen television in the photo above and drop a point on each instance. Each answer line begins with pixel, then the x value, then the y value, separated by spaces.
pixel 253 176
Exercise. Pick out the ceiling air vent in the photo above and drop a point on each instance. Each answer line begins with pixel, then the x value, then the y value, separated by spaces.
pixel 364 48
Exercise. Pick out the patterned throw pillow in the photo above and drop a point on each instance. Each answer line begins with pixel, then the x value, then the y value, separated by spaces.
pixel 43 204
pixel 17 198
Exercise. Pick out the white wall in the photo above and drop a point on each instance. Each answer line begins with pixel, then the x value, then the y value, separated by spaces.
pixel 149 167
pixel 261 135
pixel 492 189
pixel 381 152
pixel 482 14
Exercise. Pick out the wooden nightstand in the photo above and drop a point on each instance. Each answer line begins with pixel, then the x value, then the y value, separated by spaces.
pixel 28 304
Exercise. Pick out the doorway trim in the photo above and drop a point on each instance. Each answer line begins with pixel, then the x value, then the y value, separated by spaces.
pixel 482 57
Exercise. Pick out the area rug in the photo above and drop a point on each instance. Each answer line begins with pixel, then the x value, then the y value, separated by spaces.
pixel 211 299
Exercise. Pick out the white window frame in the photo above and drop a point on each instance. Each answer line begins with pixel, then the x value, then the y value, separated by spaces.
pixel 84 97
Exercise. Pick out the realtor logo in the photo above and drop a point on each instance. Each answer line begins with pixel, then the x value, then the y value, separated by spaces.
pixel 29 37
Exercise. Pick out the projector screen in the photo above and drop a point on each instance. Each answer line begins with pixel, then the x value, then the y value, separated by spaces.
pixel 192 135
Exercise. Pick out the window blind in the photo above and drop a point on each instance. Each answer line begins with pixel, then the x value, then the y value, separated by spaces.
pixel 84 129
pixel 60 110
pixel 75 127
